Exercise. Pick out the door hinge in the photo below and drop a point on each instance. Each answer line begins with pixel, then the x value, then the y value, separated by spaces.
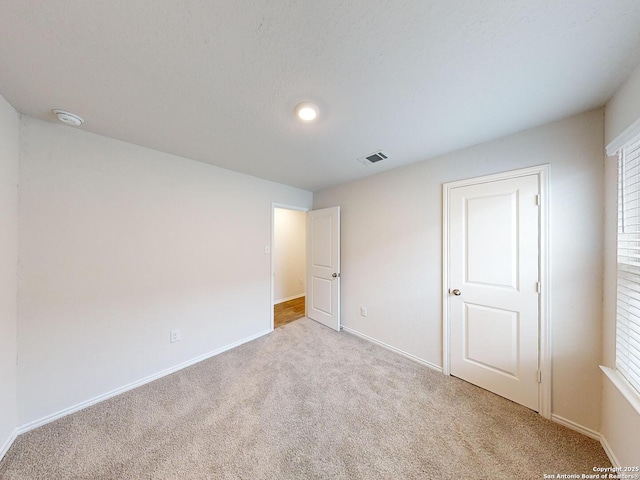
pixel 538 287
pixel 538 199
pixel 539 376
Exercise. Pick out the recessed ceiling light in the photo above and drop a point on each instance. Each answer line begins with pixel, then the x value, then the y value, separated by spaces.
pixel 307 112
pixel 68 118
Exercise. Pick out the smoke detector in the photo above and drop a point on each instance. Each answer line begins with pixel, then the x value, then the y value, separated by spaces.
pixel 68 118
pixel 373 157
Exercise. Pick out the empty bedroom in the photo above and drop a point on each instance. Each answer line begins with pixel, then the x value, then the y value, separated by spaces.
pixel 291 240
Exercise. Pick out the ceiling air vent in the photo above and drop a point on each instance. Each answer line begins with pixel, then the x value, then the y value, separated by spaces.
pixel 373 157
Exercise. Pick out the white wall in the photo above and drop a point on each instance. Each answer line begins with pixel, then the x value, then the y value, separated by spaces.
pixel 9 151
pixel 289 256
pixel 624 107
pixel 119 244
pixel 618 417
pixel 392 251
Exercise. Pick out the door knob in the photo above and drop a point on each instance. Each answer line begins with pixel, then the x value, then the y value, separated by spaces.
pixel 335 275
pixel 456 292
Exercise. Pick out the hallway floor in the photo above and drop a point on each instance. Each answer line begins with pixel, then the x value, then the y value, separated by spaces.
pixel 287 312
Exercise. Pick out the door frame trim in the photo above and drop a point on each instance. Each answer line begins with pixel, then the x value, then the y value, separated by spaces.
pixel 544 342
pixel 275 205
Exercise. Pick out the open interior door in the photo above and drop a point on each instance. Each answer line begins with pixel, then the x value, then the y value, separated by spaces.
pixel 323 266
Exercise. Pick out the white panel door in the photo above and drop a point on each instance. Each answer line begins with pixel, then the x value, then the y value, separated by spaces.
pixel 323 266
pixel 493 289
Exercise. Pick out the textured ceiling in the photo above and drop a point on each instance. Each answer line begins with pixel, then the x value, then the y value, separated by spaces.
pixel 217 81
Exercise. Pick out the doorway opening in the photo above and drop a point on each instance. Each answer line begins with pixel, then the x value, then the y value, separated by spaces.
pixel 289 259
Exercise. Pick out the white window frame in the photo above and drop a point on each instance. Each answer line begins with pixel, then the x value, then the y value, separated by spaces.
pixel 619 376
pixel 628 261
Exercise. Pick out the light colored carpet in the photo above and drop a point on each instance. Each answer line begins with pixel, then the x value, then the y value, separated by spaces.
pixel 303 402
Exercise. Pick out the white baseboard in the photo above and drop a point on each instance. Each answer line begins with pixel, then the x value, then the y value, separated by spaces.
pixel 575 426
pixel 282 300
pixel 131 386
pixel 393 349
pixel 609 451
pixel 7 445
pixel 589 433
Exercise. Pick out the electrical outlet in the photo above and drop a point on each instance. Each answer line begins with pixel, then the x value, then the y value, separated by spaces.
pixel 175 336
pixel 363 311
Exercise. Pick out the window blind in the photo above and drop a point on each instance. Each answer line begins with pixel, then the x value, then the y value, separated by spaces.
pixel 628 296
